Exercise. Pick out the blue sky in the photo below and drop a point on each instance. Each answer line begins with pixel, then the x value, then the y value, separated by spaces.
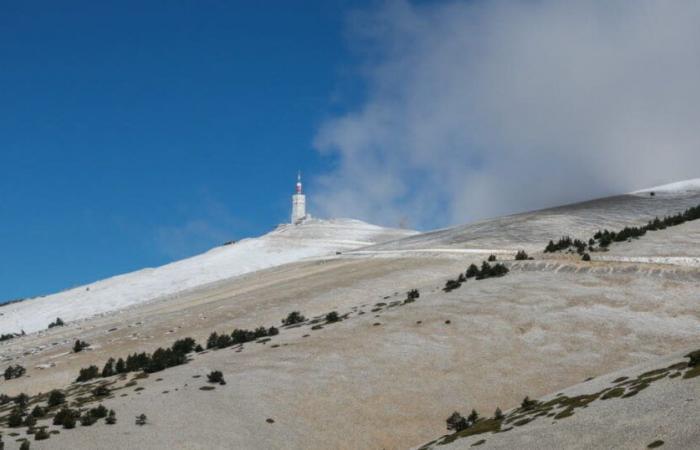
pixel 136 133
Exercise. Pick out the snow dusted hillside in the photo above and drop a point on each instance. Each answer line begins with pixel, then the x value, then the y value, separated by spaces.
pixel 285 244
pixel 678 187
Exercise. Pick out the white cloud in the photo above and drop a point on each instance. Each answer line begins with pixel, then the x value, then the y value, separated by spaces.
pixel 482 108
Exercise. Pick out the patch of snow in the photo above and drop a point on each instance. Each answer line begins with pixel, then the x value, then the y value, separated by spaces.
pixel 678 187
pixel 286 244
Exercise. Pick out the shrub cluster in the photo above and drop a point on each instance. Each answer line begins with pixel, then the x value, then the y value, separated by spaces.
pixel 486 271
pixel 332 317
pixel 8 336
pixel 66 417
pixel 606 237
pixel 160 359
pixel 57 323
pixel 456 422
pixel 293 318
pixel 239 336
pixel 14 372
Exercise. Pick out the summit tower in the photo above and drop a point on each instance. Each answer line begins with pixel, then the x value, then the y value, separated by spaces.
pixel 298 203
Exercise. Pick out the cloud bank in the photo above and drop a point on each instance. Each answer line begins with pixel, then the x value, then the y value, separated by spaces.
pixel 475 109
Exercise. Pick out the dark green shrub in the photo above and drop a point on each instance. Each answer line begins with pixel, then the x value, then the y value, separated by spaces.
pixel 473 417
pixel 472 271
pixel 456 422
pixel 56 398
pixel 111 418
pixel 25 445
pixel 215 376
pixel 38 411
pixel 87 419
pixel 528 404
pixel 21 400
pixel 15 418
pixel 141 420
pixel 41 434
pixel 586 257
pixel 498 415
pixel 492 258
pixel 293 318
pixel 88 373
pixel 198 348
pixel 521 255
pixel 80 345
pixel 451 285
pixel 98 412
pixel 184 346
pixel 57 323
pixel 29 421
pixel 272 331
pixel 332 317
pixel 100 391
pixel 65 415
pixel 694 358
pixel 108 369
pixel 14 372
pixel 69 422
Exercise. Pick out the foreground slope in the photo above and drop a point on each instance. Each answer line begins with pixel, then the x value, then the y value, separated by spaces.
pixel 285 244
pixel 651 405
pixel 389 373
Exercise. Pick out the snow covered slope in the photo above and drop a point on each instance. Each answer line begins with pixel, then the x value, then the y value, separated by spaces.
pixel 284 245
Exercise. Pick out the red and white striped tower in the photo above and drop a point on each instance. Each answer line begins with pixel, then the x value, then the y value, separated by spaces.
pixel 298 203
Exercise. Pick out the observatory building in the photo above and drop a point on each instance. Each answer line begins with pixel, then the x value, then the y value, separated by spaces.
pixel 298 203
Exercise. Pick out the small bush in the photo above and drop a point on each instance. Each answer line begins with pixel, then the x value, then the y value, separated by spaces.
pixel 80 345
pixel 87 419
pixel 88 373
pixel 694 358
pixel 473 417
pixel 41 434
pixel 293 318
pixel 56 398
pixel 29 421
pixel 215 376
pixel 451 285
pixel 24 446
pixel 66 417
pixel 21 400
pixel 141 419
pixel 57 323
pixel 108 369
pixel 332 317
pixel 111 418
pixel 14 372
pixel 413 294
pixel 472 271
pixel 15 418
pixel 586 257
pixel 521 255
pixel 198 348
pixel 498 415
pixel 38 411
pixel 456 422
pixel 492 258
pixel 98 412
pixel 528 404
pixel 100 391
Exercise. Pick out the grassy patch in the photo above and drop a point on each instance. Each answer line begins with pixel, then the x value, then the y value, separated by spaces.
pixel 613 393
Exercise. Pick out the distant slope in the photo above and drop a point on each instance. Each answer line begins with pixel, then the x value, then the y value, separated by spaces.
pixel 532 230
pixel 652 405
pixel 284 245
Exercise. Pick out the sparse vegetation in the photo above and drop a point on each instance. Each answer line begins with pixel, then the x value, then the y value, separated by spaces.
pixel 604 238
pixel 141 419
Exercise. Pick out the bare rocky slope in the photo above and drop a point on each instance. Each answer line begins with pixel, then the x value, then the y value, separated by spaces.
pixel 388 374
